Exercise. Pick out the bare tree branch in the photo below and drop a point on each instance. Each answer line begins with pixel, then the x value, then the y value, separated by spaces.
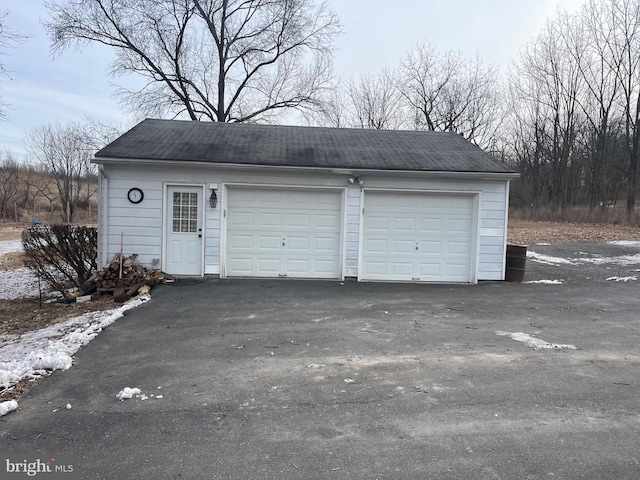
pixel 220 60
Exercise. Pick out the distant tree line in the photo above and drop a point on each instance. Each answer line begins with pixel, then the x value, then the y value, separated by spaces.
pixel 566 115
pixel 57 180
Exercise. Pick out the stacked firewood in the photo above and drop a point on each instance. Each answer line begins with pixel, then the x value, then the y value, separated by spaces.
pixel 128 275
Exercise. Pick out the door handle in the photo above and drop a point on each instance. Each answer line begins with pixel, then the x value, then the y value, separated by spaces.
pixel 283 241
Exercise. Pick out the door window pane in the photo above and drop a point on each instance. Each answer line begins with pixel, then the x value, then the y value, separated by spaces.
pixel 185 212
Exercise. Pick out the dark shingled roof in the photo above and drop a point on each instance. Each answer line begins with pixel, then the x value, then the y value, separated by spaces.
pixel 295 146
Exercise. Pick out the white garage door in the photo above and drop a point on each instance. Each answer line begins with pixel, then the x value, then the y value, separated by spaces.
pixel 418 237
pixel 283 233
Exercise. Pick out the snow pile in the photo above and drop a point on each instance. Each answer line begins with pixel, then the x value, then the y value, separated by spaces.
pixel 546 282
pixel 621 279
pixel 535 343
pixel 6 407
pixel 43 351
pixel 127 392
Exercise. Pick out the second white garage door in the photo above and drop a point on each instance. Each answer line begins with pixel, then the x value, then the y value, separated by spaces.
pixel 418 237
pixel 283 233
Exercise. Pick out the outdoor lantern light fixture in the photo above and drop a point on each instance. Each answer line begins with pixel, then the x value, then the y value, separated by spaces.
pixel 213 199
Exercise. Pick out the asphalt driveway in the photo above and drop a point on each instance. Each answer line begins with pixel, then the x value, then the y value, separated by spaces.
pixel 327 380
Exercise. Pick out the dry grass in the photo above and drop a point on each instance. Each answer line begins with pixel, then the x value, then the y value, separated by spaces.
pixel 526 232
pixel 10 232
pixel 12 260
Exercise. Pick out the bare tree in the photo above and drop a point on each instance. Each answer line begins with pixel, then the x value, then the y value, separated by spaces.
pixel 550 76
pixel 447 92
pixel 375 101
pixel 219 60
pixel 332 109
pixel 624 46
pixel 9 183
pixel 8 39
pixel 63 151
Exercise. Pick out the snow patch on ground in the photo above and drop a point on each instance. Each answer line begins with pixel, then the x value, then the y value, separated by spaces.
pixel 626 243
pixel 622 260
pixel 128 392
pixel 8 246
pixel 535 343
pixel 546 282
pixel 547 259
pixel 38 353
pixel 18 283
pixel 621 279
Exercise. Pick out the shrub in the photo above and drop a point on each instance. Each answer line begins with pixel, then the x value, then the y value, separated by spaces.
pixel 64 256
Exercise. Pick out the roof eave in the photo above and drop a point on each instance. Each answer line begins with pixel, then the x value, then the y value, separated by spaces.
pixel 291 168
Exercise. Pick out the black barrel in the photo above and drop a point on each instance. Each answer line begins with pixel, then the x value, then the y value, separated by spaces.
pixel 516 263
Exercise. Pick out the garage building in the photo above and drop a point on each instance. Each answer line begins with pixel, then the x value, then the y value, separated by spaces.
pixel 247 200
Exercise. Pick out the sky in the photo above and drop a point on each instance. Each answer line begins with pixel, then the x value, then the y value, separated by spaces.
pixel 377 34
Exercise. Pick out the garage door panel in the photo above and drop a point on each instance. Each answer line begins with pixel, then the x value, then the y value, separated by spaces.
pixel 241 264
pixel 267 267
pixel 327 245
pixel 241 219
pixel 297 267
pixel 375 270
pixel 460 225
pixel 299 220
pixel 430 270
pixel 432 225
pixel 431 248
pixel 294 233
pixel 404 223
pixel 377 223
pixel 269 220
pixel 297 244
pixel 375 245
pixel 403 246
pixel 326 221
pixel 241 242
pixel 402 268
pixel 324 267
pixel 458 248
pixel 441 225
pixel 459 270
pixel 269 243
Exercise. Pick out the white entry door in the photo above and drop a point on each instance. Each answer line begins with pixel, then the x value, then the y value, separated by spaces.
pixel 419 237
pixel 283 233
pixel 184 231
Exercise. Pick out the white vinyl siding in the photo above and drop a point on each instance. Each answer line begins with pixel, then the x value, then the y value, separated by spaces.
pixel 352 231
